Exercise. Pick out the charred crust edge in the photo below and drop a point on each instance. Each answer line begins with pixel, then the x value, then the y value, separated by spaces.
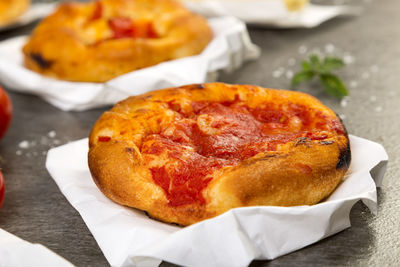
pixel 252 161
pixel 198 86
pixel 41 61
pixel 157 219
pixel 302 141
pixel 345 153
pixel 326 142
pixel 344 158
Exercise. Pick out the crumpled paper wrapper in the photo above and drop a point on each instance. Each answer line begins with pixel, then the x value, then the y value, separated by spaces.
pixel 228 50
pixel 35 12
pixel 128 237
pixel 271 13
pixel 16 252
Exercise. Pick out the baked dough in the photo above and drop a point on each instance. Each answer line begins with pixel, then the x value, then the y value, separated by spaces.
pixel 98 41
pixel 12 9
pixel 191 153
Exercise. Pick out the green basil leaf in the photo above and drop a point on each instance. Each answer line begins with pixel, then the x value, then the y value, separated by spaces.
pixel 331 63
pixel 305 66
pixel 333 85
pixel 315 62
pixel 302 76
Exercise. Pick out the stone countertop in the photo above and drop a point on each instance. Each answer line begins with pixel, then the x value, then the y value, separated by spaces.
pixel 35 210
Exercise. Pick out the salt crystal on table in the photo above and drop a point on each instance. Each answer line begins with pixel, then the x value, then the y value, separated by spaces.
pixel 348 59
pixel 378 109
pixel 372 98
pixel 329 48
pixel 289 74
pixel 19 152
pixel 276 73
pixel 342 116
pixel 353 84
pixel 302 49
pixel 24 144
pixel 52 134
pixel 292 61
pixel 343 102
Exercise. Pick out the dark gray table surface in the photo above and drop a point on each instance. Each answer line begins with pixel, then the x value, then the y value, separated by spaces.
pixel 35 210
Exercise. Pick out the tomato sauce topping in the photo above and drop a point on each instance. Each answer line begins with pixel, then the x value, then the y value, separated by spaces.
pixel 98 11
pixel 216 135
pixel 103 138
pixel 123 27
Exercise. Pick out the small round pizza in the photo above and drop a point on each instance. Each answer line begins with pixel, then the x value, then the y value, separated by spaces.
pixel 12 9
pixel 98 41
pixel 190 153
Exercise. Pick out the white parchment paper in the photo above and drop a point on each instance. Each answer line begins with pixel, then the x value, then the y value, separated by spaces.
pixel 228 50
pixel 35 12
pixel 15 252
pixel 271 13
pixel 128 237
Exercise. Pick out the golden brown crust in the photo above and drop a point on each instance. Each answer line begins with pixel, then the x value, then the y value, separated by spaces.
pixel 300 172
pixel 12 9
pixel 77 43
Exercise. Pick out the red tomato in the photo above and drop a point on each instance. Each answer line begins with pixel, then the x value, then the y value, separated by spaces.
pixel 2 188
pixel 5 112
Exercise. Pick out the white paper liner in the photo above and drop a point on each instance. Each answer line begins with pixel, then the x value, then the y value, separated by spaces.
pixel 228 50
pixel 35 12
pixel 128 237
pixel 16 252
pixel 271 13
